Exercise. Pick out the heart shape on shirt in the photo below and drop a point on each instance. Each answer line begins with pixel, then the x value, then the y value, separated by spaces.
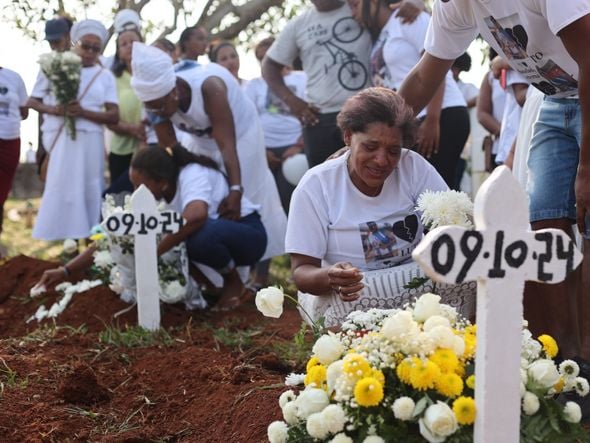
pixel 407 228
pixel 3 90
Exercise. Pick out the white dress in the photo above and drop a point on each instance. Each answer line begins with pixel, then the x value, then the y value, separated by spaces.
pixel 259 185
pixel 71 201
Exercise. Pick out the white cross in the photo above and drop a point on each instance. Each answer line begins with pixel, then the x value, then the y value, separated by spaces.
pixel 144 222
pixel 500 254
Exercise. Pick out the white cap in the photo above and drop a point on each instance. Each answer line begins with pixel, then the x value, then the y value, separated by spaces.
pixel 126 19
pixel 153 74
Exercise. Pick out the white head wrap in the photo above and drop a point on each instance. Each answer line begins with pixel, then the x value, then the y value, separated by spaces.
pixel 126 19
pixel 89 26
pixel 153 74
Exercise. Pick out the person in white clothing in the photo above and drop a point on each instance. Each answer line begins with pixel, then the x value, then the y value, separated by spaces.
pixel 71 201
pixel 224 53
pixel 207 103
pixel 13 100
pixel 546 41
pixel 359 208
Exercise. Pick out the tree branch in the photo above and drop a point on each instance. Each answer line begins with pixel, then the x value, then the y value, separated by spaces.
pixel 247 13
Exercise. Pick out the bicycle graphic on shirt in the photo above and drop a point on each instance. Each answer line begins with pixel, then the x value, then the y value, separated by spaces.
pixel 352 74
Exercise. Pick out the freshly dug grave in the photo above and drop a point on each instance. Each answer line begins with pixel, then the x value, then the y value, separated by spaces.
pixel 208 377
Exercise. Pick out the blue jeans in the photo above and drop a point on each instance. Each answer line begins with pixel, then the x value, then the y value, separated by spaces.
pixel 224 244
pixel 553 160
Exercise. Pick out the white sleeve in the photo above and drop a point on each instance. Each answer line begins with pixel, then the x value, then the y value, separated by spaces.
pixel 425 177
pixel 307 225
pixel 560 14
pixel 21 91
pixel 451 30
pixel 284 50
pixel 110 87
pixel 194 185
pixel 41 86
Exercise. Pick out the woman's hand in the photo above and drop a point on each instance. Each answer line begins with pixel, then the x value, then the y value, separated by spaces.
pixel 406 11
pixel 345 281
pixel 51 277
pixel 231 206
pixel 429 137
pixel 305 112
pixel 74 110
pixel 274 162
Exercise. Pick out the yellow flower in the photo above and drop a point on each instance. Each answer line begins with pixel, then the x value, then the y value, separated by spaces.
pixel 464 409
pixel 368 392
pixel 378 375
pixel 424 374
pixel 559 385
pixel 460 370
pixel 549 345
pixel 317 376
pixel 445 359
pixel 470 343
pixel 313 361
pixel 450 385
pixel 404 368
pixel 471 329
pixel 470 382
pixel 356 366
pixel 97 236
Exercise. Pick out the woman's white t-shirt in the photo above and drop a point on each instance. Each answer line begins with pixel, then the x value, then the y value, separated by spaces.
pixel 103 90
pixel 398 49
pixel 331 219
pixel 13 96
pixel 198 182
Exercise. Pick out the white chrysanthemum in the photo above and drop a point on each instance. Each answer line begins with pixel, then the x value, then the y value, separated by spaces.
pixel 290 413
pixel 286 397
pixel 569 369
pixel 173 291
pixel 458 346
pixel 530 403
pixel 373 439
pixel 342 438
pixel 581 386
pixel 70 246
pixel 531 348
pixel 449 312
pixel 103 259
pixel 294 379
pixel 328 348
pixel 521 389
pixel 399 325
pixel 315 426
pixel 426 306
pixel 444 208
pixel 442 336
pixel 310 401
pixel 334 418
pixel 403 408
pixel 333 373
pixel 277 432
pixel 572 412
pixel 434 321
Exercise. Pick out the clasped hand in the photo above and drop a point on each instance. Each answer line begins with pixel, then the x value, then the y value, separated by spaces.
pixel 346 281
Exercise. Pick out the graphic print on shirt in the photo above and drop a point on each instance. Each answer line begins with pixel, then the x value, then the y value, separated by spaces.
pixel 378 67
pixel 274 105
pixel 352 74
pixel 386 244
pixel 4 103
pixel 542 73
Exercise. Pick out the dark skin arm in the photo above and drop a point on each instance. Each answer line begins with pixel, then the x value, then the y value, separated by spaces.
pixel 224 133
pixel 485 108
pixel 574 37
pixel 136 130
pixel 272 72
pixel 165 133
pixel 80 262
pixel 519 90
pixel 429 132
pixel 195 215
pixel 24 112
pixel 407 11
pixel 110 116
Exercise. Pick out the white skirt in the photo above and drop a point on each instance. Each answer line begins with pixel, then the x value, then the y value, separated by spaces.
pixel 71 200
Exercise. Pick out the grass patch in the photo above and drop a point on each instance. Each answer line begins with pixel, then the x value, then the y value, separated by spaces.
pixel 238 339
pixel 47 333
pixel 9 378
pixel 134 337
pixel 297 351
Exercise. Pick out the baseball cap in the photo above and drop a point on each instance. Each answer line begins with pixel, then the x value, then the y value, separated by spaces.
pixel 126 19
pixel 56 29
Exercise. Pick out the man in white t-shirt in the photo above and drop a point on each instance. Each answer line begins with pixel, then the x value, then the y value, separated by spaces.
pixel 546 41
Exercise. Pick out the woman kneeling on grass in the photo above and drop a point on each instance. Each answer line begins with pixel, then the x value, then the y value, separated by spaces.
pixel 193 186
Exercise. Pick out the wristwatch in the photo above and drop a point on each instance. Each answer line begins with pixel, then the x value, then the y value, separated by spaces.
pixel 238 188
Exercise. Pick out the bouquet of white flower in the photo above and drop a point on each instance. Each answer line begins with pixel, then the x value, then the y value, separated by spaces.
pixel 62 69
pixel 407 375
pixel 444 208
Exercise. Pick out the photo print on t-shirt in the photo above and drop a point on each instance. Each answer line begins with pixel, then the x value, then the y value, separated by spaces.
pixel 542 73
pixel 4 105
pixel 274 105
pixel 388 244
pixel 379 70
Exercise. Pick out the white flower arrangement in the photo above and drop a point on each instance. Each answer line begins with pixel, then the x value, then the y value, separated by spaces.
pixel 443 208
pixel 409 376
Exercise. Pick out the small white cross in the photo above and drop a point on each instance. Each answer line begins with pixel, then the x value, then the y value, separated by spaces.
pixel 500 254
pixel 144 222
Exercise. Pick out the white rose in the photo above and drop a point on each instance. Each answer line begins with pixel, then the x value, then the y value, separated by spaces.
pixel 315 426
pixel 328 349
pixel 333 373
pixel 442 337
pixel 286 397
pixel 269 301
pixel 310 401
pixel 70 246
pixel 436 320
pixel 438 423
pixel 398 325
pixel 341 438
pixel 290 413
pixel 544 373
pixel 403 408
pixel 277 432
pixel 572 412
pixel 373 439
pixel 334 418
pixel 427 306
pixel 530 403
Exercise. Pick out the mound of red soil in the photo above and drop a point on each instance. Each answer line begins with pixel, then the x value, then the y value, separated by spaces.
pixel 216 377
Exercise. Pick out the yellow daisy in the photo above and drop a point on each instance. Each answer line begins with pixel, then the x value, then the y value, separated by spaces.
pixel 464 409
pixel 317 376
pixel 445 359
pixel 313 361
pixel 449 384
pixel 549 345
pixel 356 366
pixel 368 392
pixel 404 368
pixel 424 374
pixel 470 382
pixel 378 375
pixel 470 343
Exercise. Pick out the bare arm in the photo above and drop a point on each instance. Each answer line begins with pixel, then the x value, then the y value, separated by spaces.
pixel 109 116
pixel 38 105
pixel 574 37
pixel 24 112
pixel 429 134
pixel 485 108
pixel 165 133
pixel 79 263
pixel 520 90
pixel 423 81
pixel 195 215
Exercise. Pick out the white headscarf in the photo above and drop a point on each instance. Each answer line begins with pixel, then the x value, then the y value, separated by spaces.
pixel 153 74
pixel 89 26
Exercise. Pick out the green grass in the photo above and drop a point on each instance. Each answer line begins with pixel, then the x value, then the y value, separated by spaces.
pixel 297 351
pixel 238 339
pixel 134 337
pixel 9 378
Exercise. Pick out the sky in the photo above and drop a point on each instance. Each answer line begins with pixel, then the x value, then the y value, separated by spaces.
pixel 20 53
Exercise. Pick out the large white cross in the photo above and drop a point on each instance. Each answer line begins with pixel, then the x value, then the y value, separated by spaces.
pixel 144 222
pixel 500 254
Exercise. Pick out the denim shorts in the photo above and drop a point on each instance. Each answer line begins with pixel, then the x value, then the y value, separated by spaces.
pixel 553 160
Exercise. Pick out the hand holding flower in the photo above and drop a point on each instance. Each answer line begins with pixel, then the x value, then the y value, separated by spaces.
pixel 74 110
